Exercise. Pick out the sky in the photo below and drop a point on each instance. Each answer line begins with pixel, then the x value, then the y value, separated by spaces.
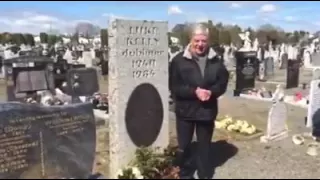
pixel 37 16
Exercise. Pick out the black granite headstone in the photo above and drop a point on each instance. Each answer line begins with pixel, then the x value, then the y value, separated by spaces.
pixel 144 115
pixel 104 68
pixel 38 142
pixel 82 82
pixel 246 71
pixel 293 71
pixel 28 74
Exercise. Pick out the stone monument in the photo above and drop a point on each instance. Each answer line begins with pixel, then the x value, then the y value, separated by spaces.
pixel 138 88
pixel 247 42
pixel 276 127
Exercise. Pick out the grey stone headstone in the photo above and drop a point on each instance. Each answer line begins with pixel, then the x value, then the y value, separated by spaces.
pixel 315 59
pixel 269 65
pixel 316 74
pixel 38 142
pixel 138 88
pixel 283 61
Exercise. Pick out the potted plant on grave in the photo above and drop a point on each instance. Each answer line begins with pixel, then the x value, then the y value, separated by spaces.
pixel 149 164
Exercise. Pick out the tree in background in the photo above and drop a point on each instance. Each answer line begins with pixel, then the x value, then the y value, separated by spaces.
pixel 29 39
pixel 2 39
pixel 214 33
pixel 52 39
pixel 226 34
pixel 75 37
pixel 43 37
pixel 104 37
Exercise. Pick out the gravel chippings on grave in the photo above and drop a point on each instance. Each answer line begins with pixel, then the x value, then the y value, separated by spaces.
pixel 281 159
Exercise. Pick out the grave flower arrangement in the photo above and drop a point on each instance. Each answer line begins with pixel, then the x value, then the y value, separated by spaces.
pixel 239 126
pixel 151 164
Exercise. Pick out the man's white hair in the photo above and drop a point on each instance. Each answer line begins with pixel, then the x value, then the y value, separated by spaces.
pixel 199 29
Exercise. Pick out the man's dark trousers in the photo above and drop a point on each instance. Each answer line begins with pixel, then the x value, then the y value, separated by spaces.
pixel 204 132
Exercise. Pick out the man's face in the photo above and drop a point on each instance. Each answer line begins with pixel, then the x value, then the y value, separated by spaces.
pixel 199 44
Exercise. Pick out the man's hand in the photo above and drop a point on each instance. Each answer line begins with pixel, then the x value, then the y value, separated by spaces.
pixel 203 94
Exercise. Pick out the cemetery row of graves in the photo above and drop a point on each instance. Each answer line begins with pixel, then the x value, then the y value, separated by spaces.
pixel 53 131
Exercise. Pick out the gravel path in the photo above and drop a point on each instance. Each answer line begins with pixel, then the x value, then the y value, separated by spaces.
pixel 252 159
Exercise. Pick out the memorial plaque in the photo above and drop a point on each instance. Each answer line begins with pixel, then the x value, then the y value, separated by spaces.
pixel 313 118
pixel 246 70
pixel 138 56
pixel 293 71
pixel 38 142
pixel 277 119
pixel 144 116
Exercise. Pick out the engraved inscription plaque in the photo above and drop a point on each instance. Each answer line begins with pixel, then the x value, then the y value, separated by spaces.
pixel 144 115
pixel 46 142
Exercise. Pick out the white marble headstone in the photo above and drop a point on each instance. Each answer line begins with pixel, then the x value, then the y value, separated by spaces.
pixel 307 59
pixel 68 56
pixel 277 117
pixel 314 97
pixel 87 59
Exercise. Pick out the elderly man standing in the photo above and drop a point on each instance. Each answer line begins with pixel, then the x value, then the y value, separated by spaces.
pixel 197 78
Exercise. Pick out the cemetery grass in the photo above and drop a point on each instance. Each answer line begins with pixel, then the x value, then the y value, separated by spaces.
pixel 234 158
